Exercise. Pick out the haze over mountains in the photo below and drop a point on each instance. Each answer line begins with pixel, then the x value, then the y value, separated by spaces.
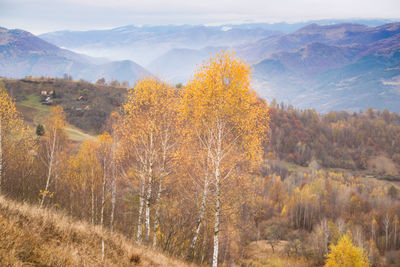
pixel 23 54
pixel 342 66
pixel 326 66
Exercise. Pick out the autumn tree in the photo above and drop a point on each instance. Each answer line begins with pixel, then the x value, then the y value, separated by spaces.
pixel 86 173
pixel 11 131
pixel 148 129
pixel 227 119
pixel 104 155
pixel 53 142
pixel 346 254
pixel 116 159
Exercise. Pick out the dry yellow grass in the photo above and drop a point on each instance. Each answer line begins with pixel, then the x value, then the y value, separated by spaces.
pixel 30 236
pixel 259 254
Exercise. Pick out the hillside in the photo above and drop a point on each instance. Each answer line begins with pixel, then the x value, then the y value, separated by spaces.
pixel 88 114
pixel 367 143
pixel 23 54
pixel 45 237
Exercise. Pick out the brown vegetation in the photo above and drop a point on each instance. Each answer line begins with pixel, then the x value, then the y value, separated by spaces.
pixel 46 237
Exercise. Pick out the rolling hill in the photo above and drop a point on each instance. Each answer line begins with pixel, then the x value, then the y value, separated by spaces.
pixel 30 236
pixel 23 54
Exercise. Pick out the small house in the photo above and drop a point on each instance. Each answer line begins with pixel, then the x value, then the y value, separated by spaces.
pixel 48 101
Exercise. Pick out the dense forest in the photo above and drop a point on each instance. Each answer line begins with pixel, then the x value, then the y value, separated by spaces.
pixel 203 170
pixel 337 139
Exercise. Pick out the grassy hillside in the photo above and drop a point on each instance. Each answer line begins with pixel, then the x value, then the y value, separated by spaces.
pixel 34 113
pixel 30 236
pixel 86 117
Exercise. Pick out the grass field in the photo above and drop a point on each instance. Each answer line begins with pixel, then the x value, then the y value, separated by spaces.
pixel 34 113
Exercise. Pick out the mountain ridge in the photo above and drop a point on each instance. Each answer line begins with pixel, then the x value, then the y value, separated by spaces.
pixel 333 67
pixel 23 54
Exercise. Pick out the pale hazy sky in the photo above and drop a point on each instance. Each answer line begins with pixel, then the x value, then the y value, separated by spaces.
pixel 40 16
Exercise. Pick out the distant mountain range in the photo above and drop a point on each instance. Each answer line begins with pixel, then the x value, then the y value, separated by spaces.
pixel 23 54
pixel 326 66
pixel 172 51
pixel 341 66
pixel 147 43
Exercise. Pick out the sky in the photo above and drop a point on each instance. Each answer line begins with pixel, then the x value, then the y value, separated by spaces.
pixel 39 16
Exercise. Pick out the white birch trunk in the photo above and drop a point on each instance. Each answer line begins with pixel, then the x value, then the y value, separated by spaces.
pixel 200 219
pixel 140 212
pixel 148 197
pixel 217 214
pixel 163 174
pixel 51 159
pixel 149 190
pixel 157 214
pixel 386 223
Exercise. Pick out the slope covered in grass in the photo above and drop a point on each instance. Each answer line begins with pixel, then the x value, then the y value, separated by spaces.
pixel 30 236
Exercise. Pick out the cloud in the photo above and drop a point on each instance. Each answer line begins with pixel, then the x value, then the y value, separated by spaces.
pixel 46 15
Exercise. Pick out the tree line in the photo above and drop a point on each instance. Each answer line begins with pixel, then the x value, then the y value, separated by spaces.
pixel 336 139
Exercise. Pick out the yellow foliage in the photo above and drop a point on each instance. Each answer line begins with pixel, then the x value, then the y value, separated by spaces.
pixel 345 254
pixel 9 116
pixel 148 109
pixel 219 95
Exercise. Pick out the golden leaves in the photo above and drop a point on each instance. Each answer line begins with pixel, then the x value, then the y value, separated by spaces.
pixel 11 121
pixel 148 107
pixel 346 254
pixel 219 95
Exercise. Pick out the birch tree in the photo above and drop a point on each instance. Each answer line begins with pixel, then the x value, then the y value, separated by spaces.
pixel 201 181
pixel 104 156
pixel 147 128
pixel 116 155
pixel 53 142
pixel 227 118
pixel 386 223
